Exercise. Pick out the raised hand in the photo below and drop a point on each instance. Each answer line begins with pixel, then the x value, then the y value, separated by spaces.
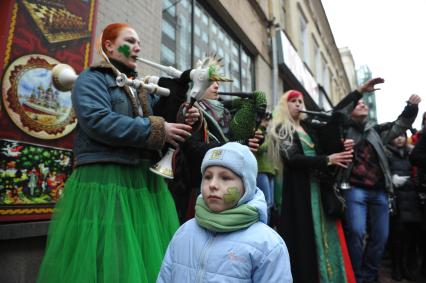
pixel 369 86
pixel 414 99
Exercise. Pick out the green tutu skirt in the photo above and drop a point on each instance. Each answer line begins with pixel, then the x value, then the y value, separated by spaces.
pixel 112 224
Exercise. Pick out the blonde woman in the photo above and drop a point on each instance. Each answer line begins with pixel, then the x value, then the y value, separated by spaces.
pixel 315 242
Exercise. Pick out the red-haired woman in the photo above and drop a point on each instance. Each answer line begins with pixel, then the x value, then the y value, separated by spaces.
pixel 115 218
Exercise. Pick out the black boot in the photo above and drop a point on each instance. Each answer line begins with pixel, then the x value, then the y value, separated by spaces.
pixel 396 251
pixel 396 266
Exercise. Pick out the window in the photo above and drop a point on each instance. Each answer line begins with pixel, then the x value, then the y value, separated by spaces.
pixel 176 34
pixel 283 13
pixel 166 28
pixel 326 82
pixel 304 44
pixel 325 76
pixel 318 62
pixel 208 37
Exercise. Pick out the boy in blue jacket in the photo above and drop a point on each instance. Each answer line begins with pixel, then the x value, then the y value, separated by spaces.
pixel 228 240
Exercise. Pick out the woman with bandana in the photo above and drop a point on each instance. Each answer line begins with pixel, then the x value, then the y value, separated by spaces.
pixel 312 238
pixel 115 218
pixel 228 240
pixel 316 242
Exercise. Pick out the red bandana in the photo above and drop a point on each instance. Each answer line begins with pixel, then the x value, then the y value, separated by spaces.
pixel 293 94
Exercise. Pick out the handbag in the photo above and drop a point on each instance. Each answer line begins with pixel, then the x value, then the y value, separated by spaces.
pixel 333 201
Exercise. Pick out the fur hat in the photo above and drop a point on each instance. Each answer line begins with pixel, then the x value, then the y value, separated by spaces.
pixel 240 160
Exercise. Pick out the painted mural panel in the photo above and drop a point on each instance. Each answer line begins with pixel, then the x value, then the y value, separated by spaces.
pixel 36 119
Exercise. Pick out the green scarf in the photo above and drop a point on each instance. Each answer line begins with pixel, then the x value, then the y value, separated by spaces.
pixel 228 220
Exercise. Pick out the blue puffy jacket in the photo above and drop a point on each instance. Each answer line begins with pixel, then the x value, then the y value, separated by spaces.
pixel 254 254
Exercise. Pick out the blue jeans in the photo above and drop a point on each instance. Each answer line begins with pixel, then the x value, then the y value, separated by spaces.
pixel 265 182
pixel 367 211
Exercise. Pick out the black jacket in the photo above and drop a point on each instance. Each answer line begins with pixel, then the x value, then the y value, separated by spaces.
pixel 407 201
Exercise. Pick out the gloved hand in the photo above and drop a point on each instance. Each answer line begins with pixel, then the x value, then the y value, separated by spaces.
pixel 399 181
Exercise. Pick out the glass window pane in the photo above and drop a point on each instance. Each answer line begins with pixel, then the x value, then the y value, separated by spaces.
pixel 169 7
pixel 168 55
pixel 246 72
pixel 168 30
pixel 209 38
pixel 176 35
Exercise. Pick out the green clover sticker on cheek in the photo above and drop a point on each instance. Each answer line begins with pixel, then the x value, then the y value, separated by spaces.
pixel 232 195
pixel 125 50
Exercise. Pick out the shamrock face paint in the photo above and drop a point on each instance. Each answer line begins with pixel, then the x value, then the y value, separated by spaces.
pixel 125 50
pixel 221 188
pixel 232 196
pixel 125 47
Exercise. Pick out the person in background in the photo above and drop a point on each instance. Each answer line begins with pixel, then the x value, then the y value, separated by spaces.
pixel 405 223
pixel 265 176
pixel 415 133
pixel 228 240
pixel 418 159
pixel 371 185
pixel 214 132
pixel 115 218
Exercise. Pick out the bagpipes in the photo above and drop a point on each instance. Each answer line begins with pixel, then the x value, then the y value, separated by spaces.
pixel 64 77
pixel 251 106
pixel 172 92
pixel 251 110
pixel 246 120
pixel 331 130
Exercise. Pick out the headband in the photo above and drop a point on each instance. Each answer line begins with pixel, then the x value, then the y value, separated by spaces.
pixel 293 94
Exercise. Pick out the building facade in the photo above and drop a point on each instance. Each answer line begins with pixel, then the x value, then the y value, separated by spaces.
pixel 320 68
pixel 269 45
pixel 349 64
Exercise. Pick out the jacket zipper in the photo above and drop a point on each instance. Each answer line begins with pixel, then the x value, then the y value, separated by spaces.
pixel 203 257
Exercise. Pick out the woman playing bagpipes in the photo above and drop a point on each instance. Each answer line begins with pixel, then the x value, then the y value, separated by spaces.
pixel 312 238
pixel 115 218
pixel 307 154
pixel 220 124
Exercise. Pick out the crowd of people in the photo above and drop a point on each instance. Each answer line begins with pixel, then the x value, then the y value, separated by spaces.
pixel 349 188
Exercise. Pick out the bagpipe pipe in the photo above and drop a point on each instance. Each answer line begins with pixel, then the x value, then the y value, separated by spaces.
pixel 64 77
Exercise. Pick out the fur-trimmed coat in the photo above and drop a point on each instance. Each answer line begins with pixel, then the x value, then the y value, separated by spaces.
pixel 115 124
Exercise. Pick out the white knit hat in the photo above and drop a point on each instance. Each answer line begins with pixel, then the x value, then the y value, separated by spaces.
pixel 240 160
